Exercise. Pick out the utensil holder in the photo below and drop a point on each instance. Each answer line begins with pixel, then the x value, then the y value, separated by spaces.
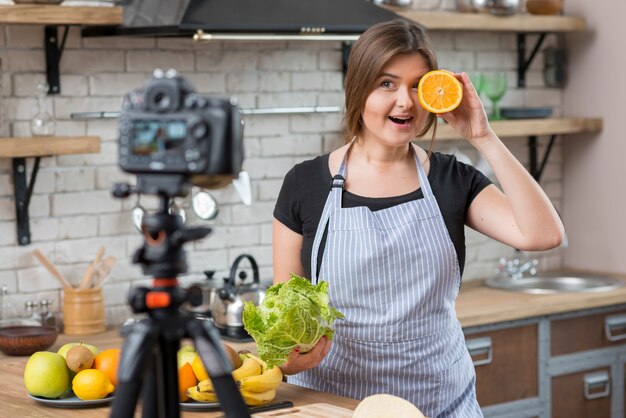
pixel 83 311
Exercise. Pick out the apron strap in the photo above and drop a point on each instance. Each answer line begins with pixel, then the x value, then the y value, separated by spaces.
pixel 336 190
pixel 424 184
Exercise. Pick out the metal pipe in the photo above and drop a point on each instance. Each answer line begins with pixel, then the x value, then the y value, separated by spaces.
pixel 292 110
pixel 200 36
pixel 265 111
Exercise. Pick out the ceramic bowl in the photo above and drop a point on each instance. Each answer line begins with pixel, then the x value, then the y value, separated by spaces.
pixel 24 340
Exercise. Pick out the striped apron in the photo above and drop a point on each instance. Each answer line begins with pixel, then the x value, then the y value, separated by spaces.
pixel 394 274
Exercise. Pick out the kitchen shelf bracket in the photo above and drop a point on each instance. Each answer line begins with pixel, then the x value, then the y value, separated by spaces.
pixel 54 50
pixel 535 170
pixel 346 47
pixel 23 192
pixel 522 62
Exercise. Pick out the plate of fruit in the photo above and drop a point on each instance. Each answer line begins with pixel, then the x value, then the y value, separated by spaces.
pixel 256 382
pixel 78 375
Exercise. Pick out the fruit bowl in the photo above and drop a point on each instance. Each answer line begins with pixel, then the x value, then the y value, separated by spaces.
pixel 25 340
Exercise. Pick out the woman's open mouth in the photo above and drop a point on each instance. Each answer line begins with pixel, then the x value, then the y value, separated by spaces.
pixel 401 120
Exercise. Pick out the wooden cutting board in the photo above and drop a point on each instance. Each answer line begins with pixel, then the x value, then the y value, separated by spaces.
pixel 314 410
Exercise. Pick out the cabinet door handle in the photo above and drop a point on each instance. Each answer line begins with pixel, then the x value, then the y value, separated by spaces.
pixel 615 322
pixel 480 346
pixel 596 380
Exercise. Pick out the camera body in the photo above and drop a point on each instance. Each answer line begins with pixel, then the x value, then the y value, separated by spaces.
pixel 171 136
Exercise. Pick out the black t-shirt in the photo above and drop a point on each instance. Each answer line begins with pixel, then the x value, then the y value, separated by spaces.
pixel 307 185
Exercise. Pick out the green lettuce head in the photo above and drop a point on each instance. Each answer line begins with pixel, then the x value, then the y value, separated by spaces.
pixel 293 314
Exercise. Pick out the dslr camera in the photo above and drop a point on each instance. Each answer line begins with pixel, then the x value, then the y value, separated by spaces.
pixel 171 137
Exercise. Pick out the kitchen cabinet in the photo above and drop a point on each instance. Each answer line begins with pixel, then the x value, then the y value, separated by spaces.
pixel 582 395
pixel 569 364
pixel 499 355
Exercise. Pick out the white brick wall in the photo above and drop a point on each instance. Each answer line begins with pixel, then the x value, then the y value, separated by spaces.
pixel 72 211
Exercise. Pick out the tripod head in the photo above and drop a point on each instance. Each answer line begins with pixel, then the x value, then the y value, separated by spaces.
pixel 162 253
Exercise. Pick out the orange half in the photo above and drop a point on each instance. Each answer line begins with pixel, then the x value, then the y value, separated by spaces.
pixel 439 91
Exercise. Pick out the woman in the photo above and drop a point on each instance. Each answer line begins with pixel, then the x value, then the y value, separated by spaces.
pixel 388 233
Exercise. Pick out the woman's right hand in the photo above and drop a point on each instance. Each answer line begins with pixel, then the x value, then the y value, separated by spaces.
pixel 298 362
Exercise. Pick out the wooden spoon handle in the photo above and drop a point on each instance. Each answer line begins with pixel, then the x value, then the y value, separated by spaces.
pixel 51 268
pixel 89 272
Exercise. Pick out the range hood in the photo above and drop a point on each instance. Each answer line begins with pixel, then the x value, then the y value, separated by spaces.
pixel 247 19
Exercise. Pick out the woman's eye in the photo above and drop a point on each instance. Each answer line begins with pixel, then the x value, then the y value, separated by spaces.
pixel 386 84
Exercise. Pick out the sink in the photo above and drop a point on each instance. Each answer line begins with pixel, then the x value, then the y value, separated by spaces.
pixel 557 282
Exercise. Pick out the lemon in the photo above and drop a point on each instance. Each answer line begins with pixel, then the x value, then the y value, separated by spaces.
pixel 198 368
pixel 91 384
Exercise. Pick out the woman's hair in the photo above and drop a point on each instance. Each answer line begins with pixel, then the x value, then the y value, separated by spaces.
pixel 369 55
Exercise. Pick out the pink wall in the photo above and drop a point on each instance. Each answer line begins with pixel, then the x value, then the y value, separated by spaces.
pixel 594 180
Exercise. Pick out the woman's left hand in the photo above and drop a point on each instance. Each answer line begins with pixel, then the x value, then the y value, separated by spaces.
pixel 469 119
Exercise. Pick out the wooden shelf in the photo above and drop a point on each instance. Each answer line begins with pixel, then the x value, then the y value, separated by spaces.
pixel 48 145
pixel 519 23
pixel 531 127
pixel 37 14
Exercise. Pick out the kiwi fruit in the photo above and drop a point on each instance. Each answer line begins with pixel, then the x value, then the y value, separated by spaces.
pixel 232 354
pixel 79 358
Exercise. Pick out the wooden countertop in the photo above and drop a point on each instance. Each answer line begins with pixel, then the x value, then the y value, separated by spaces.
pixel 14 400
pixel 478 304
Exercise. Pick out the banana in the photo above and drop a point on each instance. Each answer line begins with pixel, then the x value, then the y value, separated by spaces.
pixel 244 354
pixel 199 396
pixel 206 385
pixel 250 367
pixel 269 380
pixel 254 399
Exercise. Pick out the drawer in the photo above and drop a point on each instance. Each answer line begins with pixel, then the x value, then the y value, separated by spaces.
pixel 506 363
pixel 582 395
pixel 587 332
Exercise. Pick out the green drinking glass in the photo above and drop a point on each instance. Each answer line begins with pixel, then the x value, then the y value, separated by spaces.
pixel 494 87
pixel 477 80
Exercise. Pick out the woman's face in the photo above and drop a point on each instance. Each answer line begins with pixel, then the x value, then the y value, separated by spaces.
pixel 392 114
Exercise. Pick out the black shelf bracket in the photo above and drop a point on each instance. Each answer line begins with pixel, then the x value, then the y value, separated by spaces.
pixel 346 47
pixel 522 62
pixel 535 170
pixel 54 50
pixel 23 191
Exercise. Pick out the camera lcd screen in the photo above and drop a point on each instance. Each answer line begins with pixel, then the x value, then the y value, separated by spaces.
pixel 156 137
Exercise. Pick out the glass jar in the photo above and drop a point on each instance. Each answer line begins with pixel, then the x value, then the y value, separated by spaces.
pixel 42 123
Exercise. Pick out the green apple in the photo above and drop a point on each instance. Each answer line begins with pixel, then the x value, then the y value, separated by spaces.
pixel 65 348
pixel 46 375
pixel 186 354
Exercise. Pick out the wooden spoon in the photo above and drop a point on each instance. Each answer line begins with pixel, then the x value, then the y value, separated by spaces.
pixel 89 272
pixel 51 268
pixel 103 270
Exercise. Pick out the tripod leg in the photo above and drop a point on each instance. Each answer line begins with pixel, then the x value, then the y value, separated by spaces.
pixel 136 356
pixel 167 371
pixel 209 347
pixel 151 402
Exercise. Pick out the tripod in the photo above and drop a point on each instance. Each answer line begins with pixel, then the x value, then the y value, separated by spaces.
pixel 148 357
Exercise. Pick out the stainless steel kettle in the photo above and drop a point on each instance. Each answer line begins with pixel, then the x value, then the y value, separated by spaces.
pixel 227 304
